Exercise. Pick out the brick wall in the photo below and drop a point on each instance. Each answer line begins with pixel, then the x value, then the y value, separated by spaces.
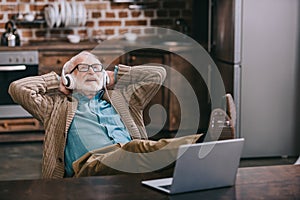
pixel 104 18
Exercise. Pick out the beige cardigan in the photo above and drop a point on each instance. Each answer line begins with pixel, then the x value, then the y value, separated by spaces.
pixel 39 95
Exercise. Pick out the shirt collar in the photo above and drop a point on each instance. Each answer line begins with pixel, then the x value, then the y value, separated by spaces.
pixel 82 98
pixel 99 95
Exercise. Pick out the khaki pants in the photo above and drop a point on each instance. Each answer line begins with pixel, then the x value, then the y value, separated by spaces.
pixel 136 156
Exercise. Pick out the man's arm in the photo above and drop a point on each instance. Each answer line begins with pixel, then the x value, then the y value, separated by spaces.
pixel 140 83
pixel 30 93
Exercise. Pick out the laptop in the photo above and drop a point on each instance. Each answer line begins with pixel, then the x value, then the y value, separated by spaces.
pixel 202 166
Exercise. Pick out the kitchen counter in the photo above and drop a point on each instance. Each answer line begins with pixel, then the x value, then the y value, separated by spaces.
pixel 50 45
pixel 121 44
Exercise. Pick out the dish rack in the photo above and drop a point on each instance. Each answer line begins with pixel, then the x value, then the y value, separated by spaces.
pixel 65 14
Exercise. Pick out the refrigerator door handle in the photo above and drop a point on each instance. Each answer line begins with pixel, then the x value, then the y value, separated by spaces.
pixel 209 43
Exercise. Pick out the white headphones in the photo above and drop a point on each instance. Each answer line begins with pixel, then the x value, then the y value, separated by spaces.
pixel 70 83
pixel 67 79
pixel 106 79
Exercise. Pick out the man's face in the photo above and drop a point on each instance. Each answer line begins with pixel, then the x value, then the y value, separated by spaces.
pixel 88 82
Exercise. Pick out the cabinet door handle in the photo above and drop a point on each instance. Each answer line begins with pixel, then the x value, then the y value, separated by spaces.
pixel 209 43
pixel 13 68
pixel 133 58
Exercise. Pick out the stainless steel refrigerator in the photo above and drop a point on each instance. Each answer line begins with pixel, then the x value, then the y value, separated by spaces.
pixel 255 44
pixel 224 45
pixel 217 27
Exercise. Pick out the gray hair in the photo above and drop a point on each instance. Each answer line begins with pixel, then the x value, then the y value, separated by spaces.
pixel 70 64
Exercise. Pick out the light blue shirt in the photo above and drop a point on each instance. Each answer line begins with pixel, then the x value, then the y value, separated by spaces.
pixel 96 124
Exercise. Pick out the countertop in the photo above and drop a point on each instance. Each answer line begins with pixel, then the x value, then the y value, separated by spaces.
pixel 50 45
pixel 116 44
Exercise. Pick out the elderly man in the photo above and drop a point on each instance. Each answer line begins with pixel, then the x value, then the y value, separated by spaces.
pixel 92 130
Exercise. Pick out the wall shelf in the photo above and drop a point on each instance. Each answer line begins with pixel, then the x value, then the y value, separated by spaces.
pixel 34 23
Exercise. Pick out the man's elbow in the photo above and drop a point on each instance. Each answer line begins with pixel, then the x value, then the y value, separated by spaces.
pixel 13 90
pixel 162 74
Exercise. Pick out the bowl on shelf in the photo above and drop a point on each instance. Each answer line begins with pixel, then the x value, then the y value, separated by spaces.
pixel 73 38
pixel 29 17
pixel 130 36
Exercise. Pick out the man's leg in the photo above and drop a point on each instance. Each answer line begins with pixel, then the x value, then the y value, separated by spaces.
pixel 137 156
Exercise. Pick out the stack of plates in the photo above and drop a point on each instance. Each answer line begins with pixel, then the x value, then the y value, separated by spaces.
pixel 65 13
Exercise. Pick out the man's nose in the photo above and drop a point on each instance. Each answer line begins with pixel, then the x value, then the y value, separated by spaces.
pixel 91 70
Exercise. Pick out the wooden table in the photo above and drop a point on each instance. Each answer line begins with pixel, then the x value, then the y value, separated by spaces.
pixel 273 182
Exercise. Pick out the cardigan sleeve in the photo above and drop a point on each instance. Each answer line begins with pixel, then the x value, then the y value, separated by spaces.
pixel 140 83
pixel 32 93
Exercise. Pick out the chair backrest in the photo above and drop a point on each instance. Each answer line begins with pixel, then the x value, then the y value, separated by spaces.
pixel 231 108
pixel 228 131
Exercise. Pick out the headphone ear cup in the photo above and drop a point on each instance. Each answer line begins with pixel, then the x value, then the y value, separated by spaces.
pixel 63 76
pixel 70 82
pixel 106 79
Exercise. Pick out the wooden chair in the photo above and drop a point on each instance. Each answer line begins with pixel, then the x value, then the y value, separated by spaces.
pixel 228 127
